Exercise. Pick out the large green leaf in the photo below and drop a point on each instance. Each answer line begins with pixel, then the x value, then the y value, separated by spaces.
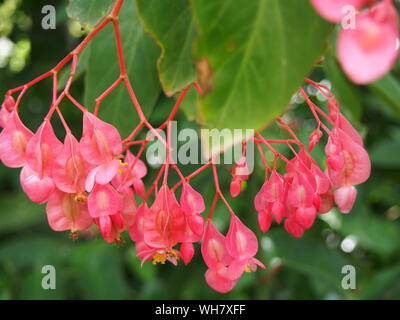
pixel 388 88
pixel 310 257
pixel 103 69
pixel 89 12
pixel 170 23
pixel 253 56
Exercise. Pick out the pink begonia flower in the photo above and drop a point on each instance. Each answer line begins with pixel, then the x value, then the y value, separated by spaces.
pixel 41 150
pixel 275 195
pixel 356 169
pixel 129 209
pixel 4 116
pixel 292 227
pixel 104 200
pixel 369 51
pixel 242 245
pixel 217 259
pixel 130 173
pixel 345 197
pixel 164 226
pixel 13 141
pixel 6 108
pixel 187 252
pixel 333 10
pixel 314 137
pixel 101 145
pixel 66 212
pixel 240 173
pixel 192 204
pixel 38 189
pixel 69 168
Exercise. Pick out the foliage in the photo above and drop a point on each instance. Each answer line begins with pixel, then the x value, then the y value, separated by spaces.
pixel 254 80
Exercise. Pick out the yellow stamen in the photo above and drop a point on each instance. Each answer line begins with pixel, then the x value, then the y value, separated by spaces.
pixel 159 258
pixel 247 269
pixel 80 197
pixel 122 164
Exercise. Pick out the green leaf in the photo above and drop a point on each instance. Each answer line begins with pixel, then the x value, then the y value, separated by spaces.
pixel 388 88
pixel 386 154
pixel 346 92
pixel 18 213
pixel 253 56
pixel 103 69
pixel 99 269
pixel 384 284
pixel 309 257
pixel 169 22
pixel 89 12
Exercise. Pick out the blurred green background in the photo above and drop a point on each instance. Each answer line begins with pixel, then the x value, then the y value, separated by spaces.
pixel 307 268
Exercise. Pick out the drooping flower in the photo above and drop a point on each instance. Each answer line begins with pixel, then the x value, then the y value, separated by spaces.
pixel 240 173
pixel 101 146
pixel 192 204
pixel 217 259
pixel 69 168
pixel 130 173
pixel 13 141
pixel 368 51
pixel 41 150
pixel 333 10
pixel 242 245
pixel 65 211
pixel 164 226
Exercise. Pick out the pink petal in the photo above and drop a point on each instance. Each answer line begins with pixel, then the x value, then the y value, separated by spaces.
pixel 219 283
pixel 13 141
pixel 213 248
pixel 37 189
pixel 192 201
pixel 345 198
pixel 187 252
pixel 369 51
pixel 240 240
pixel 104 200
pixel 332 9
pixel 66 213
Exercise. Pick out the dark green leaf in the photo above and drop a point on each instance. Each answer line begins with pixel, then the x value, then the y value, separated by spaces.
pixel 253 56
pixel 89 12
pixel 169 22
pixel 103 69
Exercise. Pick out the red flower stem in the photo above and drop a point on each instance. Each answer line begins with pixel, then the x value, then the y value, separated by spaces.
pixel 313 109
pixel 276 153
pixel 218 189
pixel 288 129
pixel 100 99
pixel 198 88
pixel 168 153
pixel 154 184
pixel 76 103
pixel 134 133
pixel 176 107
pixel 192 175
pixel 214 202
pixel 264 161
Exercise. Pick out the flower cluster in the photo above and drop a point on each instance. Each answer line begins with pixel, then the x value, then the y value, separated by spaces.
pixel 97 180
pixel 368 47
pixel 305 191
pixel 82 182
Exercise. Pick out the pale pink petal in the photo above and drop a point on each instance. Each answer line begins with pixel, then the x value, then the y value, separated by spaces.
pixel 64 212
pixel 104 200
pixel 37 189
pixel 345 198
pixel 13 142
